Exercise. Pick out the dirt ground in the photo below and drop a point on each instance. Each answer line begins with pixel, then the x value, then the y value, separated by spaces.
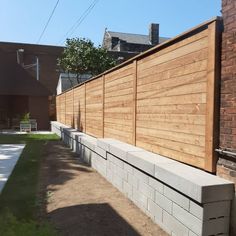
pixel 79 201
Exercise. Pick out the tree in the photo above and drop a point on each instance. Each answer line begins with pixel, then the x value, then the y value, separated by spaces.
pixel 80 57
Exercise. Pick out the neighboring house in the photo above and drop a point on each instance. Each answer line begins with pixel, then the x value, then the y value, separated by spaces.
pixel 38 61
pixel 123 46
pixel 67 81
pixel 20 93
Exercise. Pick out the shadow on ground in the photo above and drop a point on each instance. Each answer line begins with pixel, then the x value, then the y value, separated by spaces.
pixel 91 219
pixel 65 167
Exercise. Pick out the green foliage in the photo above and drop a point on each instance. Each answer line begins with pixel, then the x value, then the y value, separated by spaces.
pixel 11 226
pixel 25 117
pixel 80 56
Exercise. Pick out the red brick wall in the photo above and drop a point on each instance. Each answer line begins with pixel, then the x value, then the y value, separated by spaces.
pixel 228 77
pixel 226 166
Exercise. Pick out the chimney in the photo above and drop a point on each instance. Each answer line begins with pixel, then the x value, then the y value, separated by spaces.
pixel 154 33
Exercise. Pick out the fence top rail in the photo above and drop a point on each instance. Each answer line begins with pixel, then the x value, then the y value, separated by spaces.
pixel 154 49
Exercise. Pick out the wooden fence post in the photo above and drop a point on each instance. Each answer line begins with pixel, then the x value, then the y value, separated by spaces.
pixel 65 108
pixel 212 99
pixel 73 115
pixel 85 107
pixel 103 103
pixel 134 101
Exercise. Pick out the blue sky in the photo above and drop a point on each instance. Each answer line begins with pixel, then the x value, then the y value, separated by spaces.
pixel 24 20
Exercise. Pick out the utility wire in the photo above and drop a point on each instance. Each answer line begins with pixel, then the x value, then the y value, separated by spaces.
pixel 79 21
pixel 49 19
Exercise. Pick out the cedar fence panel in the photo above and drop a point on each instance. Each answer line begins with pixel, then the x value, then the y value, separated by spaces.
pixel 163 100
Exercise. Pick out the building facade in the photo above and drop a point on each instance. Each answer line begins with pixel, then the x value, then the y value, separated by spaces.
pixel 123 46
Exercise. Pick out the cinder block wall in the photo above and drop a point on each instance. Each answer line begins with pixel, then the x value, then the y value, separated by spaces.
pixel 226 166
pixel 182 200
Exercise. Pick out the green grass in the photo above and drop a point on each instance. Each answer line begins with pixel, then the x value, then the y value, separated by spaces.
pixel 18 200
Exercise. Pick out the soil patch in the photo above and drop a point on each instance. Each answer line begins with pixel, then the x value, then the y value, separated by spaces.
pixel 79 201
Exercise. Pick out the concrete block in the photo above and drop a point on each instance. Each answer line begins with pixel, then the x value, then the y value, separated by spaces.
pixel 139 160
pixel 104 143
pixel 141 176
pixel 101 152
pixel 117 182
pixel 115 160
pixel 216 210
pixel 133 180
pixel 78 136
pixel 109 175
pixel 196 210
pixel 146 190
pixel 77 147
pixel 158 186
pixel 163 202
pixel 121 149
pixel 177 197
pixel 174 225
pixel 140 198
pixel 128 168
pixel 187 219
pixel 218 226
pixel 122 173
pixel 127 189
pixel 192 233
pixel 89 142
pixel 87 155
pixel 112 166
pixel 195 183
pixel 155 210
pixel 163 226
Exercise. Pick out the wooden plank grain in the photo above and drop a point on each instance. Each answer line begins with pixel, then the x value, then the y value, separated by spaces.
pixel 212 109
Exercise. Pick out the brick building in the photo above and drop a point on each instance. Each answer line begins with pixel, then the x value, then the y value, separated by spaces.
pixel 226 166
pixel 123 46
pixel 28 79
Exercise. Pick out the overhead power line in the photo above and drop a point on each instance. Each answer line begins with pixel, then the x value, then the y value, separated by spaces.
pixel 79 21
pixel 49 19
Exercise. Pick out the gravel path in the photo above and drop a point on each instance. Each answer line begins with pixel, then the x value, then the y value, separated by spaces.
pixel 79 201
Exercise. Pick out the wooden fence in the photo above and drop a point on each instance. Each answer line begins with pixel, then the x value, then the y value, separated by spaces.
pixel 164 100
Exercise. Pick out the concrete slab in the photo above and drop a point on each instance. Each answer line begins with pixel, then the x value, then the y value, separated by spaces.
pixel 9 155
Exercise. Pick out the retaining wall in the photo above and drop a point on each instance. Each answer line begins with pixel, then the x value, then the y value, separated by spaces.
pixel 182 200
